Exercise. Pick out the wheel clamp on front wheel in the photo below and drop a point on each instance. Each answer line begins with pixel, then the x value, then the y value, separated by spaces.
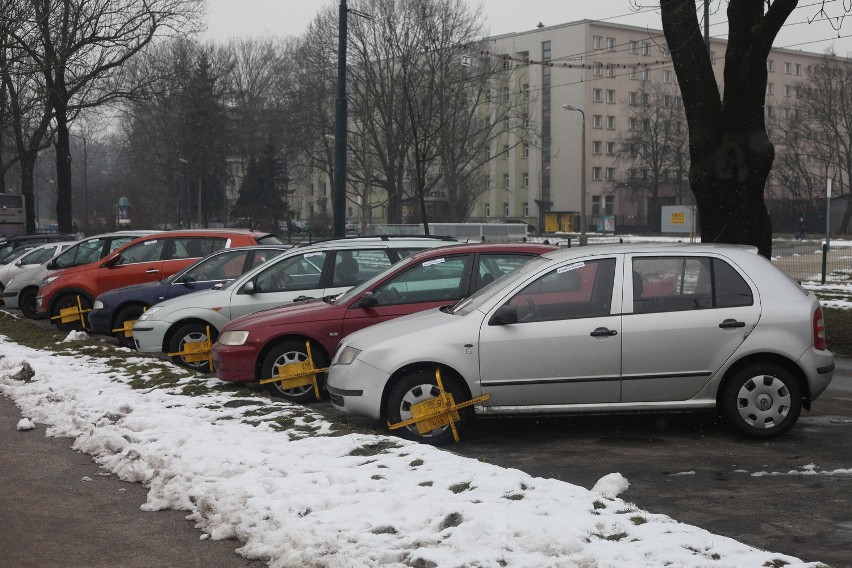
pixel 127 328
pixel 72 314
pixel 298 374
pixel 197 351
pixel 438 412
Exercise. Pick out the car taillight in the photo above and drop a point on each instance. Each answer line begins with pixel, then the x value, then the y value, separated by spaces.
pixel 819 329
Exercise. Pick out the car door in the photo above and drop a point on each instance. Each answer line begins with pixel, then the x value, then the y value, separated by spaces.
pixel 138 263
pixel 427 284
pixel 281 281
pixel 684 317
pixel 565 346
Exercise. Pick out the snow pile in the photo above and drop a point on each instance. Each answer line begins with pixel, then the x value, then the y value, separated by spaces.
pixel 25 424
pixel 276 477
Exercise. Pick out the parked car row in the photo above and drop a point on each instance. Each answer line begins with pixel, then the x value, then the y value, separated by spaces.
pixel 408 325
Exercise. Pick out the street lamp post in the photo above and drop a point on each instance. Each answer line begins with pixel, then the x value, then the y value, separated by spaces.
pixel 583 222
pixel 338 196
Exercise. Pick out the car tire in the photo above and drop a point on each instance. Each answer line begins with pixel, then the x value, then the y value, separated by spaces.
pixel 191 333
pixel 69 301
pixel 27 302
pixel 419 386
pixel 762 400
pixel 293 351
pixel 127 313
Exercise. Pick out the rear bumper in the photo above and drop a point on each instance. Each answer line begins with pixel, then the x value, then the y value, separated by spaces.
pixel 819 367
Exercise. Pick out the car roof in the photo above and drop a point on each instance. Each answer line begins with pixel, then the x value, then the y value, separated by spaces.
pixel 537 248
pixel 661 248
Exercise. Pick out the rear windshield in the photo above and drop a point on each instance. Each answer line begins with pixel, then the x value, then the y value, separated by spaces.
pixel 269 240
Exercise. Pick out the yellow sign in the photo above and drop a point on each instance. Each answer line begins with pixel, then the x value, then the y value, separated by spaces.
pixel 196 351
pixel 126 329
pixel 678 218
pixel 72 314
pixel 298 374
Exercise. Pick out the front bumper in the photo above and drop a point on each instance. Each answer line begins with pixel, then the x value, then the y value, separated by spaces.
pixel 235 363
pixel 357 388
pixel 10 299
pixel 148 335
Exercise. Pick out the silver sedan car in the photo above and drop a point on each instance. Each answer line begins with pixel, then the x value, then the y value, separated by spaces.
pixel 621 328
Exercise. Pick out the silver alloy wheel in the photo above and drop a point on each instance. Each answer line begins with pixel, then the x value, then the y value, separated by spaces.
pixel 764 401
pixel 285 359
pixel 193 337
pixel 414 395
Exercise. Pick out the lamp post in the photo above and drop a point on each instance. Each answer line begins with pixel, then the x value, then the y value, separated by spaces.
pixel 338 196
pixel 540 201
pixel 583 222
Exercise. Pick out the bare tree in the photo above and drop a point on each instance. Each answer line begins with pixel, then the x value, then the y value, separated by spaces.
pixel 651 153
pixel 731 154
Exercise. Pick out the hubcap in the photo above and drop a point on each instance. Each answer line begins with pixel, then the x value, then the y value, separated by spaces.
pixel 286 359
pixel 764 402
pixel 416 395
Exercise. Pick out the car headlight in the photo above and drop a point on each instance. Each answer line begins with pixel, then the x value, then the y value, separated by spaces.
pixel 233 338
pixel 48 280
pixel 346 355
pixel 148 313
pixel 98 305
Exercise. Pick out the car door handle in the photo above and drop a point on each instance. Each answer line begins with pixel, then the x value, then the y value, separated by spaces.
pixel 730 323
pixel 152 271
pixel 300 298
pixel 603 332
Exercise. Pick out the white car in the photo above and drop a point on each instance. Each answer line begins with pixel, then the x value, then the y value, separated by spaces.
pixel 33 257
pixel 21 291
pixel 314 271
pixel 620 328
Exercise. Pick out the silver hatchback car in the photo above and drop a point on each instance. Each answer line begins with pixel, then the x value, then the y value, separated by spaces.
pixel 621 328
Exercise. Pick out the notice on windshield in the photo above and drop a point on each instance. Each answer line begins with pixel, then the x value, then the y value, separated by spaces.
pixel 431 262
pixel 574 266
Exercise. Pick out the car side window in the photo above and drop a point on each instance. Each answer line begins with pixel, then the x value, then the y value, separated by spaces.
pixel 223 266
pixel 196 247
pixel 493 266
pixel 146 251
pixel 577 290
pixel 261 256
pixel 351 267
pixel 434 280
pixel 673 284
pixel 117 243
pixel 300 272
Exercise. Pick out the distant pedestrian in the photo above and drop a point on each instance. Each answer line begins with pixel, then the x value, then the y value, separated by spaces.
pixel 800 229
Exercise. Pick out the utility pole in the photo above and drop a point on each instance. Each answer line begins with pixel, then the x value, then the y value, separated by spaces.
pixel 338 197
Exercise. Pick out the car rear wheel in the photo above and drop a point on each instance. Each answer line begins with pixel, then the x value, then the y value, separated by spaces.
pixel 293 352
pixel 70 301
pixel 194 332
pixel 125 314
pixel 27 302
pixel 417 387
pixel 762 400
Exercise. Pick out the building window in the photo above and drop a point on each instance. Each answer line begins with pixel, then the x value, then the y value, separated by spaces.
pixel 770 66
pixel 768 88
pixel 646 73
pixel 525 179
pixel 526 207
pixel 632 98
pixel 505 151
pixel 788 90
pixel 526 91
pixel 597 121
pixel 505 181
pixel 545 50
pixel 597 68
pixel 487 208
pixel 646 48
pixel 610 44
pixel 597 95
pixel 506 123
pixel 667 76
pixel 609 174
pixel 788 68
pixel 597 145
pixel 610 148
pixel 633 123
pixel 506 93
pixel 610 71
pixel 596 173
pixel 797 69
pixel 596 205
pixel 769 111
pixel 597 42
pixel 526 150
pixel 488 181
pixel 526 120
pixel 505 210
pixel 610 96
pixel 634 47
pixel 610 122
pixel 632 73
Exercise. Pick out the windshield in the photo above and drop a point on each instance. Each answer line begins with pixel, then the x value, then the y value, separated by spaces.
pixel 39 255
pixel 472 302
pixel 17 253
pixel 357 290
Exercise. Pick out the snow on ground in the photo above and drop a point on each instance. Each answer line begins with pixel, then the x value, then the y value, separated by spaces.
pixel 297 492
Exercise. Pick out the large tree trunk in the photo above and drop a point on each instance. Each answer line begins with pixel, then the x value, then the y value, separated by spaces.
pixel 730 150
pixel 64 202
pixel 27 162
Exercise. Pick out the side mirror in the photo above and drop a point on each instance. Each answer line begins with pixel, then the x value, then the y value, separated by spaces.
pixel 249 287
pixel 506 314
pixel 368 300
pixel 18 262
pixel 110 263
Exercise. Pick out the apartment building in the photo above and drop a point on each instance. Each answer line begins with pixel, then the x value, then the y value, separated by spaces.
pixel 594 72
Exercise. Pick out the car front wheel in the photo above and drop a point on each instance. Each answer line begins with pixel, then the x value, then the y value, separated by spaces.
pixel 81 323
pixel 126 314
pixel 27 302
pixel 762 400
pixel 293 352
pixel 194 332
pixel 417 387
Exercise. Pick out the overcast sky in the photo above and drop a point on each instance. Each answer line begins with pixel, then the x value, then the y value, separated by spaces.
pixel 291 17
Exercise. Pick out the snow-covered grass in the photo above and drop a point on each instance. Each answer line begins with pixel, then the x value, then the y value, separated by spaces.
pixel 299 490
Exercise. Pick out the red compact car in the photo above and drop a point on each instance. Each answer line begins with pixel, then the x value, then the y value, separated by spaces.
pixel 146 259
pixel 251 348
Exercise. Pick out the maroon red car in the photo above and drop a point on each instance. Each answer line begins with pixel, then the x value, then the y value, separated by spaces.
pixel 251 348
